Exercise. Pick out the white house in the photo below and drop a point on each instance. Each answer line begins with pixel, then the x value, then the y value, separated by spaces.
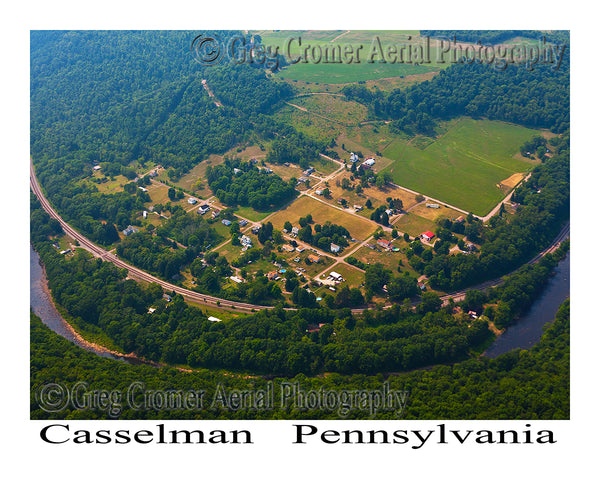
pixel 334 248
pixel 192 201
pixel 353 157
pixel 202 209
pixel 295 230
pixel 370 162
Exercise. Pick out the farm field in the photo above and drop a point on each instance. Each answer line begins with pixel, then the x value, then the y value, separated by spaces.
pixel 358 227
pixel 464 166
pixel 361 41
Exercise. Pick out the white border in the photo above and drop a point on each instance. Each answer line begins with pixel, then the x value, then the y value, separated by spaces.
pixel 273 455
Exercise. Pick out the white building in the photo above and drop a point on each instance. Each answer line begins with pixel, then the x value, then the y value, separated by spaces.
pixel 246 241
pixel 370 162
pixel 336 276
pixel 192 201
pixel 334 248
pixel 353 157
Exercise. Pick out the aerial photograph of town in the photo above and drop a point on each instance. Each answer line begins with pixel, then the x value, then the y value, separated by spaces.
pixel 300 225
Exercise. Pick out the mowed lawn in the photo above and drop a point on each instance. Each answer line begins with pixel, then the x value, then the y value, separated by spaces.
pixel 464 166
pixel 358 227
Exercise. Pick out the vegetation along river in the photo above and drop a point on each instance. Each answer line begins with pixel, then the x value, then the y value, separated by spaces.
pixel 523 334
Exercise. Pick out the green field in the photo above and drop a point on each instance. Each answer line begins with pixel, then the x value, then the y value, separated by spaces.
pixel 354 68
pixel 464 166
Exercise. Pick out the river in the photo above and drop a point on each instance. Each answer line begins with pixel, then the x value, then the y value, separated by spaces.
pixel 528 330
pixel 523 334
pixel 42 305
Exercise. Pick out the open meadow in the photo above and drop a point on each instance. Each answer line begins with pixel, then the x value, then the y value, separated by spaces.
pixel 464 166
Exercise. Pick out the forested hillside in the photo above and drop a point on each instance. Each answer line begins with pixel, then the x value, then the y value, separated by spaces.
pixel 516 385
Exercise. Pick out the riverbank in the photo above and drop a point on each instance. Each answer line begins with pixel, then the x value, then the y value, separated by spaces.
pixel 528 330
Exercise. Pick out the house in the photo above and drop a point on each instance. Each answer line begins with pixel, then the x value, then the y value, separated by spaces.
pixel 319 192
pixel 336 276
pixel 129 230
pixel 370 162
pixel 151 310
pixel 302 180
pixel 421 285
pixel 153 174
pixel 274 276
pixel 226 222
pixel 389 212
pixel 288 248
pixel 460 219
pixel 243 223
pixel 267 170
pixel 246 241
pixel 358 208
pixel 236 171
pixel 192 201
pixel 314 258
pixel 382 242
pixel 203 209
pixel 236 279
pixel 143 189
pixel 145 214
pixel 216 213
pixel 300 249
pixel 472 314
pixel 213 319
pixel 365 166
pixel 432 205
pixel 353 157
pixel 427 236
pixel 308 171
pixel 97 167
pixel 64 252
pixel 295 231
pixel 167 297
pixel 334 248
pixel 255 229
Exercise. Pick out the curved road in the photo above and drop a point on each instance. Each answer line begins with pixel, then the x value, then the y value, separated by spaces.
pixel 203 299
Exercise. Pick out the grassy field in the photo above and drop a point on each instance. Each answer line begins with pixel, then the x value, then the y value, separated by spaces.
pixel 358 227
pixel 464 166
pixel 434 214
pixel 414 225
pixel 358 68
pixel 378 196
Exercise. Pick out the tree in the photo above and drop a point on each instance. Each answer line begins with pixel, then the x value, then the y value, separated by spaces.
pixel 376 276
pixel 287 226
pixel 402 287
pixel 172 194
pixel 368 203
pixel 430 302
